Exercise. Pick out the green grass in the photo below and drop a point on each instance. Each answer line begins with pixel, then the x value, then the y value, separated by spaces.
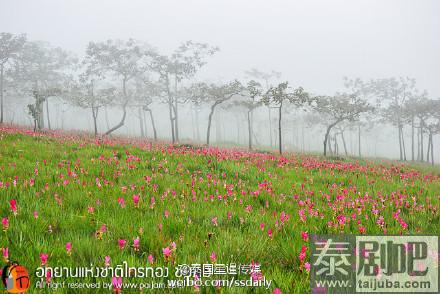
pixel 183 171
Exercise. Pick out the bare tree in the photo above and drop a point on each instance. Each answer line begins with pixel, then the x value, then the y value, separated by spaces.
pixel 182 64
pixel 10 48
pixel 215 95
pixel 339 108
pixel 251 99
pixel 40 70
pixel 279 95
pixel 266 78
pixel 392 95
pixel 124 60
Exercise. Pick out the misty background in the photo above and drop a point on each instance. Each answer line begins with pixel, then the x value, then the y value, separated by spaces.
pixel 313 44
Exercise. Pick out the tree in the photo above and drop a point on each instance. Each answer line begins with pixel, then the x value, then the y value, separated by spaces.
pixel 124 60
pixel 251 100
pixel 10 47
pixel 429 113
pixel 392 95
pixel 278 96
pixel 266 77
pixel 40 71
pixel 216 95
pixel 415 109
pixel 145 90
pixel 339 108
pixel 182 64
pixel 85 95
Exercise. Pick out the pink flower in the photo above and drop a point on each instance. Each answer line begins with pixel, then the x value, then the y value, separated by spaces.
pixel 35 214
pixel 136 198
pixel 213 257
pixel 117 284
pixel 277 291
pixel 214 221
pixel 152 202
pixel 5 252
pixel 302 215
pixel 262 226
pixel 403 224
pixel 90 209
pixel 136 244
pixel 121 243
pixel 107 261
pixel 48 276
pixel 305 236
pixel 341 219
pixel 13 205
pixel 166 213
pixel 270 233
pixel 196 284
pixel 166 252
pixel 173 246
pixel 121 202
pixel 103 228
pixel 43 258
pixel 302 255
pixel 307 266
pixel 69 248
pixel 5 223
pixel 150 259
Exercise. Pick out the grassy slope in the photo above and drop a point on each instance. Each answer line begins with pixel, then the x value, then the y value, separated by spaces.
pixel 174 171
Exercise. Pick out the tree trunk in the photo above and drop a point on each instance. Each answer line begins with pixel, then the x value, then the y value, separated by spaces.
pixel 249 129
pixel 418 144
pixel 280 140
pixel 95 117
pixel 170 108
pixel 412 139
pixel 1 92
pixel 124 109
pixel 326 139
pixel 429 148
pixel 403 144
pixel 40 111
pixel 141 121
pixel 121 122
pixel 47 113
pixel 176 116
pixel 211 113
pixel 153 124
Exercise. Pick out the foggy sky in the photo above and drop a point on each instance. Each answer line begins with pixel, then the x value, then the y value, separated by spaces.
pixel 313 43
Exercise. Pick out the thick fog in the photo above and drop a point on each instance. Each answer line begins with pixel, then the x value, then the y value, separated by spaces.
pixel 312 44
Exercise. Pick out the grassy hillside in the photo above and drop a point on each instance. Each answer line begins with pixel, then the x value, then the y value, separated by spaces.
pixel 204 204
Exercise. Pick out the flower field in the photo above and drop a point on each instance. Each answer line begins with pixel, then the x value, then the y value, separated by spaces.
pixel 72 200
